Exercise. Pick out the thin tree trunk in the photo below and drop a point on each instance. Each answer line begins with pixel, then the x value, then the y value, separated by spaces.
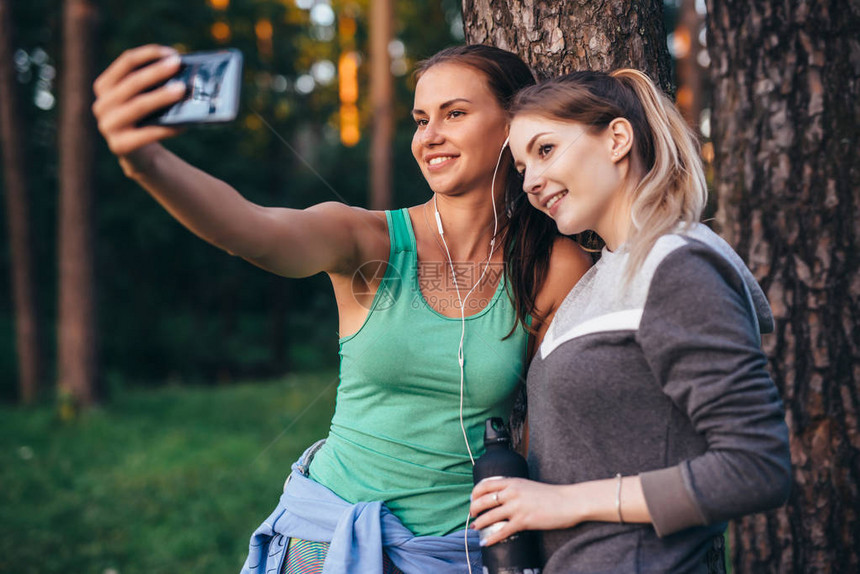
pixel 689 74
pixel 559 37
pixel 786 79
pixel 27 328
pixel 77 321
pixel 381 97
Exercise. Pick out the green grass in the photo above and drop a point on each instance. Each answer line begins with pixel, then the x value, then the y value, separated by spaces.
pixel 170 480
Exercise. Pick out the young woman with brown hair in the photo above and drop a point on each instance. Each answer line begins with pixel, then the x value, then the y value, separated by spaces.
pixel 423 362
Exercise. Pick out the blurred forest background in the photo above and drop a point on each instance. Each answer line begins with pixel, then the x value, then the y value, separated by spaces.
pixel 170 308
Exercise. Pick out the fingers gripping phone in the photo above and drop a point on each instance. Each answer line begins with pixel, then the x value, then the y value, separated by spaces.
pixel 213 82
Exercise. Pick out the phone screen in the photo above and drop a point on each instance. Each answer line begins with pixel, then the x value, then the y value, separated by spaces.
pixel 212 86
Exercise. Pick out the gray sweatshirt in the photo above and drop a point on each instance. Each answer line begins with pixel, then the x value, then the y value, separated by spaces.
pixel 664 379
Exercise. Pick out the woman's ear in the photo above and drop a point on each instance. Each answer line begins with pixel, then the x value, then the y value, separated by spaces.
pixel 621 135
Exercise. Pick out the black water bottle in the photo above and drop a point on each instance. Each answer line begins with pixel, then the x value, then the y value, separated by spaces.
pixel 518 553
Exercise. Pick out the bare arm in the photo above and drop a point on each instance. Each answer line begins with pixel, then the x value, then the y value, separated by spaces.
pixel 568 263
pixel 328 237
pixel 530 505
pixel 289 242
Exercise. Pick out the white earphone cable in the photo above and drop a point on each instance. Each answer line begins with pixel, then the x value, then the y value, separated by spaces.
pixel 461 359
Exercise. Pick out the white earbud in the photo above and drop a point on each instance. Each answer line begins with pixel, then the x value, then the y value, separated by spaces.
pixel 461 358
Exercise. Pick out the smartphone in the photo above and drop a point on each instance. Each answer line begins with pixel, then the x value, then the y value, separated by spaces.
pixel 213 81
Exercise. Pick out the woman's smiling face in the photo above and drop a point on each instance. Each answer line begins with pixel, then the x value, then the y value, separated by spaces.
pixel 569 172
pixel 460 128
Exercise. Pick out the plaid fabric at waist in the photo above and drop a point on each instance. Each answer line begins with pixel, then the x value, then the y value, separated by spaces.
pixel 307 557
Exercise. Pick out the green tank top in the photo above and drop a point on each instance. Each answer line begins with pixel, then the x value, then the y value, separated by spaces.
pixel 395 435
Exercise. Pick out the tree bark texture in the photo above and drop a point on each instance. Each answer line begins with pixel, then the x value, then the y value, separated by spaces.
pixel 786 79
pixel 559 37
pixel 24 293
pixel 77 364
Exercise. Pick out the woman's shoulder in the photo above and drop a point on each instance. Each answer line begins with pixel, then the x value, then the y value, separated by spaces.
pixel 344 213
pixel 567 264
pixel 366 230
pixel 702 263
pixel 692 246
pixel 681 260
pixel 569 258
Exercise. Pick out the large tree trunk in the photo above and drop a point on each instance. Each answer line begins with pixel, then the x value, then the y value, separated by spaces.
pixel 786 81
pixel 559 37
pixel 77 322
pixel 27 331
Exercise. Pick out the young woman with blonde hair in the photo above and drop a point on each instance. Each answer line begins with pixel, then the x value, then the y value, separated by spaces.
pixel 652 416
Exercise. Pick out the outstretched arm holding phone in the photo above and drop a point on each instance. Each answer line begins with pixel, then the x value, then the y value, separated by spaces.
pixel 329 237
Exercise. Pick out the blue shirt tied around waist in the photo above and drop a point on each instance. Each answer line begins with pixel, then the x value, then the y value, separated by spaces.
pixel 357 533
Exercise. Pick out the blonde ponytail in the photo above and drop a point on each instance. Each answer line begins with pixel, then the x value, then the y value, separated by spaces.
pixel 674 190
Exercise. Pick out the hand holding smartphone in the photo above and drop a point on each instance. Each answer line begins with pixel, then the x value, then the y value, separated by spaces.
pixel 213 83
